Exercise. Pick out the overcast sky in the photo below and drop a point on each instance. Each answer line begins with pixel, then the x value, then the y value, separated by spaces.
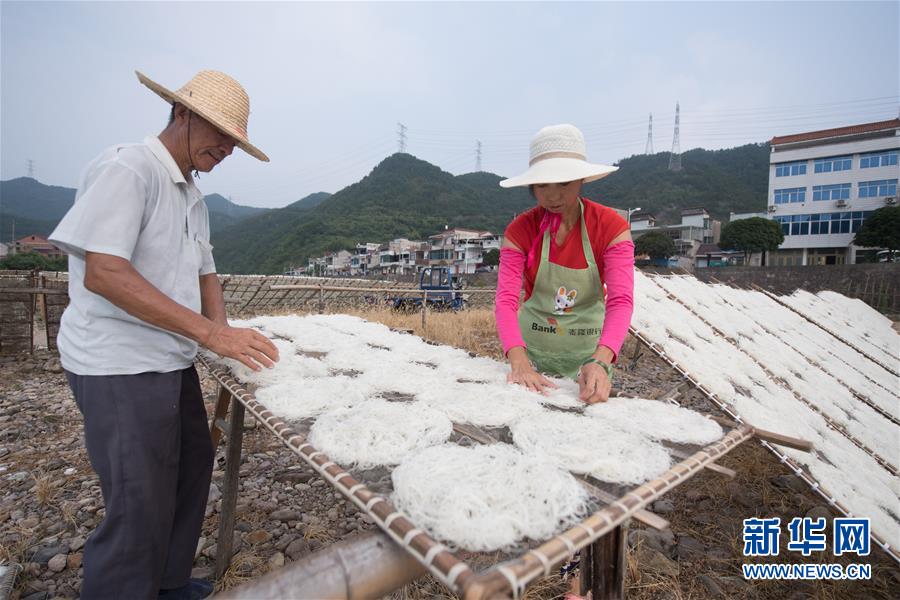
pixel 329 83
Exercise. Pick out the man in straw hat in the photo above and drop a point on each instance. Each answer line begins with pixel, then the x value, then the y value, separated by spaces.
pixel 143 295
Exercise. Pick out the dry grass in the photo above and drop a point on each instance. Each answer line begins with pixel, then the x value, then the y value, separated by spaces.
pixel 44 489
pixel 319 533
pixel 244 566
pixel 471 329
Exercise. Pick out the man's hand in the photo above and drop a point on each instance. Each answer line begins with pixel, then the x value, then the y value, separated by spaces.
pixel 522 373
pixel 593 384
pixel 246 345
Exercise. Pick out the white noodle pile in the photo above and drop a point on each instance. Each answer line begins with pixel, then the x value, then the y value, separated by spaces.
pixel 378 432
pixel 477 404
pixel 486 497
pixel 290 366
pixel 303 398
pixel 853 319
pixel 851 475
pixel 656 420
pixel 823 389
pixel 585 445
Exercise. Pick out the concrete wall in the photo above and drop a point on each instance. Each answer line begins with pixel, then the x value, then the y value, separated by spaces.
pixel 878 285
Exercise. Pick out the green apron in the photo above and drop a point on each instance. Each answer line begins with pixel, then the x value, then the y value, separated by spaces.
pixel 561 320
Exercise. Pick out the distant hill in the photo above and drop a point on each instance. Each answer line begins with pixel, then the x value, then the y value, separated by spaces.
pixel 407 197
pixel 311 201
pixel 402 197
pixel 37 208
pixel 721 181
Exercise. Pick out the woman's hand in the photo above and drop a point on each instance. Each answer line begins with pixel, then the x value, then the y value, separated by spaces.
pixel 593 384
pixel 522 373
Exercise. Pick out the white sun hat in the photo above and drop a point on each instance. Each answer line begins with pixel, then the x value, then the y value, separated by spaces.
pixel 558 154
pixel 219 99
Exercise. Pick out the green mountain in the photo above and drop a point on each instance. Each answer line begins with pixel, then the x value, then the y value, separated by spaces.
pixel 721 181
pixel 223 213
pixel 402 197
pixel 35 208
pixel 407 197
pixel 311 201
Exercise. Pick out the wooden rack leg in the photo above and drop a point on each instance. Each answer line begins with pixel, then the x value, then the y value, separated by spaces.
pixel 229 494
pixel 608 565
pixel 216 426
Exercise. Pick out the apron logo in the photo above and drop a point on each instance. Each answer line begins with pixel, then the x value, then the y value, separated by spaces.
pixel 564 301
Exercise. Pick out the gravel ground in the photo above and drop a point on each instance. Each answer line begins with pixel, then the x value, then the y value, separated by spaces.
pixel 50 501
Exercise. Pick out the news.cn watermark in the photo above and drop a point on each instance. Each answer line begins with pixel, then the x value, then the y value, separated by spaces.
pixel 850 536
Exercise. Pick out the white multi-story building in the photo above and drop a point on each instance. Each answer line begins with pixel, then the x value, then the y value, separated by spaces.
pixel 824 184
pixel 462 249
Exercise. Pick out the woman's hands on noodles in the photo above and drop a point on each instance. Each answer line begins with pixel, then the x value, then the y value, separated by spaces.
pixel 522 373
pixel 593 382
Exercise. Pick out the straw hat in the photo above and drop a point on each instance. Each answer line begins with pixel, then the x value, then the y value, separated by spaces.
pixel 217 98
pixel 558 154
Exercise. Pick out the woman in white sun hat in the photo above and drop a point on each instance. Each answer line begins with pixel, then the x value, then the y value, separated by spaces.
pixel 575 258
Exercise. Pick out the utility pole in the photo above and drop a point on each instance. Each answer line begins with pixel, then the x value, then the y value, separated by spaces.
pixel 478 156
pixel 401 137
pixel 30 168
pixel 648 149
pixel 675 158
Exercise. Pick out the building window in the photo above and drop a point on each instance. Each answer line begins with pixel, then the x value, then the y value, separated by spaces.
pixel 878 159
pixel 878 189
pixel 833 163
pixel 786 195
pixel 788 169
pixel 840 191
pixel 822 223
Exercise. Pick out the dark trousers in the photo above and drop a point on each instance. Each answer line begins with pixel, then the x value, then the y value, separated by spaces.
pixel 148 440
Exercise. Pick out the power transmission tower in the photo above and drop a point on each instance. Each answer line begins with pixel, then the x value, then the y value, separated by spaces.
pixel 31 168
pixel 648 149
pixel 675 158
pixel 401 137
pixel 478 156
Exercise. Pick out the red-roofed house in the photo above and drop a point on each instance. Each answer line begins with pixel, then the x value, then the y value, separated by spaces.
pixel 824 184
pixel 38 244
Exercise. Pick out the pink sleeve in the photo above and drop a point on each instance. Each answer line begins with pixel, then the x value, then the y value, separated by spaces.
pixel 506 304
pixel 618 273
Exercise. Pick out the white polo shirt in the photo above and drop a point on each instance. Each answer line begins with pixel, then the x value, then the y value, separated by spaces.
pixel 132 202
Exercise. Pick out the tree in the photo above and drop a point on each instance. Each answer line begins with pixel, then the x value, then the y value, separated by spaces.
pixel 32 261
pixel 491 258
pixel 751 235
pixel 881 230
pixel 655 244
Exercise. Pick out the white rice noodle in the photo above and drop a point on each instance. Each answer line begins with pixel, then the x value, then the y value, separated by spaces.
pixel 583 444
pixel 304 398
pixel 820 388
pixel 850 474
pixel 290 366
pixel 656 420
pixel 486 498
pixel 853 319
pixel 481 405
pixel 824 390
pixel 378 432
